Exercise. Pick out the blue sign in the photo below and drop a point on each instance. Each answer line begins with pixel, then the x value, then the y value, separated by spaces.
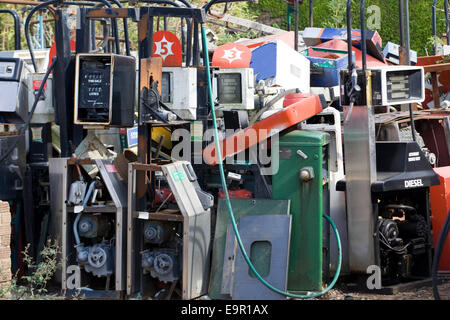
pixel 132 137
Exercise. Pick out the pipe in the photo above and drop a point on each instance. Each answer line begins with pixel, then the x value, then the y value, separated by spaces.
pixel 21 2
pixel 407 38
pixel 408 59
pixel 433 22
pixel 186 3
pixel 362 10
pixel 311 13
pixel 349 35
pixel 401 22
pixel 447 28
pixel 115 29
pixel 43 5
pixel 16 27
pixel 125 30
pixel 296 25
pixel 230 209
pixel 27 22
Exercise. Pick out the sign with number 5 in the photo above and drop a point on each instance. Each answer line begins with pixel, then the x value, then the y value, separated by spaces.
pixel 167 46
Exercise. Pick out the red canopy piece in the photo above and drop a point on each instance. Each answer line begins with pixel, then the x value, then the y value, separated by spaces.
pixel 342 45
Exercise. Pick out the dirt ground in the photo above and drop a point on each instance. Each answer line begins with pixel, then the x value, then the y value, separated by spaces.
pixel 423 293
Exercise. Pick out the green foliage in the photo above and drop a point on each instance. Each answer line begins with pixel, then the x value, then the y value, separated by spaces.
pixel 327 13
pixel 331 13
pixel 33 285
pixel 336 18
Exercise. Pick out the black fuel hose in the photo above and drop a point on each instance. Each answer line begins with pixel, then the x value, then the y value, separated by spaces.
pixel 27 22
pixel 30 115
pixel 437 255
pixel 50 2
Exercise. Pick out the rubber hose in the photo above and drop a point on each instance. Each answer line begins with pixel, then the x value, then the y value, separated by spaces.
pixel 230 209
pixel 27 22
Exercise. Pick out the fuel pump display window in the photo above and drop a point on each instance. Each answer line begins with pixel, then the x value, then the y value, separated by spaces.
pixel 229 88
pixel 403 85
pixel 166 87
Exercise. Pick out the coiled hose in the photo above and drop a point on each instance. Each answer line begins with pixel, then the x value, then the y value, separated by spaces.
pixel 77 219
pixel 437 255
pixel 230 209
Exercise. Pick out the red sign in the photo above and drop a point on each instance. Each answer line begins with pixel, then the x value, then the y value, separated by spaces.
pixel 232 55
pixel 37 84
pixel 167 46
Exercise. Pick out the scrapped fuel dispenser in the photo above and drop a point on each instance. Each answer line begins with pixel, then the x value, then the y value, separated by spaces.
pixel 303 178
pixel 13 112
pixel 93 226
pixel 387 183
pixel 169 248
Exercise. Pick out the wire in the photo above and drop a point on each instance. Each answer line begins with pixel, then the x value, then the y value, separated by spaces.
pixel 30 115
pixel 230 209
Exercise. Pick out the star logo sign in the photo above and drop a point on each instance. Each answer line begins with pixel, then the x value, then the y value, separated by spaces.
pixel 164 48
pixel 232 54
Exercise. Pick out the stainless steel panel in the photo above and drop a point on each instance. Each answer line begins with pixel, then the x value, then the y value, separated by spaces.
pixel 59 188
pixel 196 230
pixel 275 229
pixel 118 192
pixel 360 166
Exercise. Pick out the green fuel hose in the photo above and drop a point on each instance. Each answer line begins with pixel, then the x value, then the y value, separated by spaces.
pixel 230 209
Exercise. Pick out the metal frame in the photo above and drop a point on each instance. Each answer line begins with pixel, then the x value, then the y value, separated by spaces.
pixel 16 27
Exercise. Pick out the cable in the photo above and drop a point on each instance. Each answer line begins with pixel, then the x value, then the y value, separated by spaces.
pixel 230 209
pixel 30 115
pixel 437 256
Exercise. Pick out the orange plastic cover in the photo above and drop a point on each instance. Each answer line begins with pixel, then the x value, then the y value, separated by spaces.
pixel 440 206
pixel 264 129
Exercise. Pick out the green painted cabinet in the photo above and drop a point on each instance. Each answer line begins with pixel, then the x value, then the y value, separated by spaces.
pixel 302 178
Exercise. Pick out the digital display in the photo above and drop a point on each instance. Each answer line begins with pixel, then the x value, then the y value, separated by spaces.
pixel 229 88
pixel 166 90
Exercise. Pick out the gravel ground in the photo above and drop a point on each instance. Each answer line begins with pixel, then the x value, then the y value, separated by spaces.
pixel 424 293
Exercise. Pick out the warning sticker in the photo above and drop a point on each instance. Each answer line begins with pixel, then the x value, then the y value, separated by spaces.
pixel 110 168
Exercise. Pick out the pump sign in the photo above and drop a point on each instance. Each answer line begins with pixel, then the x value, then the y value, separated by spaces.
pixel 232 55
pixel 167 46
